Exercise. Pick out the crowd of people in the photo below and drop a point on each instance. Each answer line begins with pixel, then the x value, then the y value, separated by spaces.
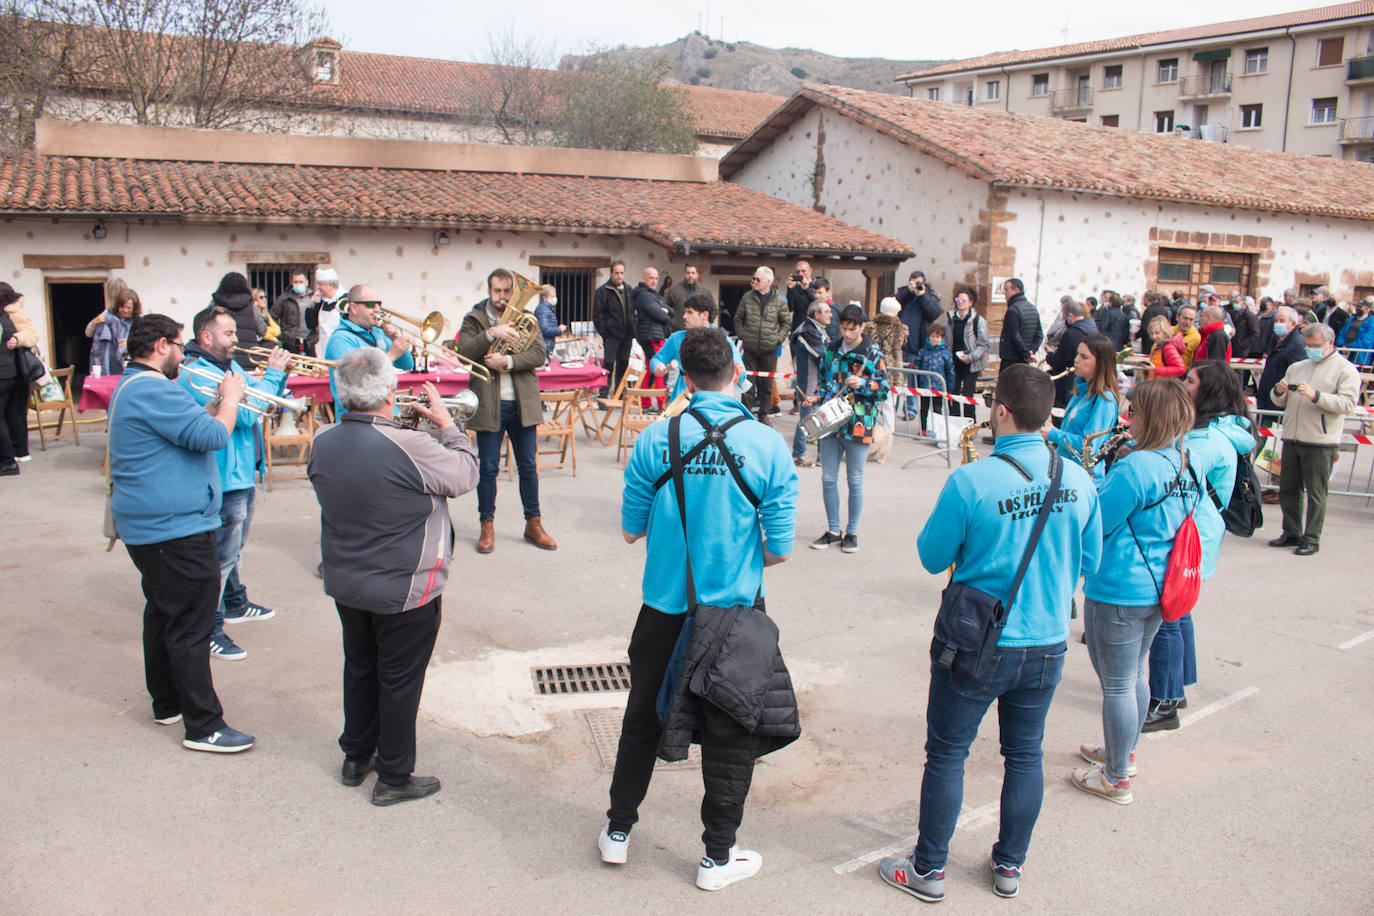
pixel 714 492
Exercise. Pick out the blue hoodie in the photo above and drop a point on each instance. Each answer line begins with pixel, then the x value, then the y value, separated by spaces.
pixel 670 351
pixel 348 337
pixel 162 462
pixel 1134 482
pixel 1213 450
pixel 1085 414
pixel 238 463
pixel 727 532
pixel 982 523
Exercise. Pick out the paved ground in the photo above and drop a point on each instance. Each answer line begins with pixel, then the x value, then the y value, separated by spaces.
pixel 1254 806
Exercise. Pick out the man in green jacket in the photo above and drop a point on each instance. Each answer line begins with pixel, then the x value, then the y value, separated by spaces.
pixel 762 320
pixel 679 293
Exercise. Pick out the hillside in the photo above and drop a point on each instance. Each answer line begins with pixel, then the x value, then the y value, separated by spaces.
pixel 703 61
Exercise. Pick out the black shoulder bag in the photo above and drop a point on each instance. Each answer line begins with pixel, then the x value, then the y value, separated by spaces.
pixel 970 620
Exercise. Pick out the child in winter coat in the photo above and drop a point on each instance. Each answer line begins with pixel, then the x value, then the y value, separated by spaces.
pixel 934 357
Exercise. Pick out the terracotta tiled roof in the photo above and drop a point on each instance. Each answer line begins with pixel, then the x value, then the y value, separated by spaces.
pixel 692 215
pixel 1197 33
pixel 1019 149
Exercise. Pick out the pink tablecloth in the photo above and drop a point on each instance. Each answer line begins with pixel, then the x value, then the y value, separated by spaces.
pixel 95 394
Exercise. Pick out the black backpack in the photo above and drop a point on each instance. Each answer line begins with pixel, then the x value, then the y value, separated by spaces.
pixel 1244 512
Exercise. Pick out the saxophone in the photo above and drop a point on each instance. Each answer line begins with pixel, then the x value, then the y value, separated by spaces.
pixel 966 446
pixel 1117 435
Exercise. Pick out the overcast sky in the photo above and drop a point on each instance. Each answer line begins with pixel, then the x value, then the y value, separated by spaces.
pixel 857 28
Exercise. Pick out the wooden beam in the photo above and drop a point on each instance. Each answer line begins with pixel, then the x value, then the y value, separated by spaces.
pixel 74 261
pixel 568 263
pixel 279 257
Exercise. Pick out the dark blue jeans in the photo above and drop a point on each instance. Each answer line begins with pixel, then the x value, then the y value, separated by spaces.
pixel 1173 659
pixel 1022 681
pixel 235 516
pixel 523 442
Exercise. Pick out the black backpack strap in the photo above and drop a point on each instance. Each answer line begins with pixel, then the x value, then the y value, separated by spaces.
pixel 677 468
pixel 1051 496
pixel 712 436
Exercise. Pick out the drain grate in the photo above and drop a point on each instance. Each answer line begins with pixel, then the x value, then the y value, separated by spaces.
pixel 561 680
pixel 604 725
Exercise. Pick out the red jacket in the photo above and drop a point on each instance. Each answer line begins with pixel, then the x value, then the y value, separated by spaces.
pixel 1168 358
pixel 1216 343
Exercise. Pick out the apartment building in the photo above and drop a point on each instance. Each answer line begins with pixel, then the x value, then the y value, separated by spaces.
pixel 1300 82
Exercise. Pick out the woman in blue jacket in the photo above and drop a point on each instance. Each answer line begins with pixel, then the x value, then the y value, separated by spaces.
pixel 1358 334
pixel 1221 432
pixel 1144 500
pixel 1096 403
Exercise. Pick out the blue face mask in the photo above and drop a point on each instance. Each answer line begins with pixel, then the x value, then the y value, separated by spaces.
pixel 299 289
pixel 1315 353
pixel 1280 328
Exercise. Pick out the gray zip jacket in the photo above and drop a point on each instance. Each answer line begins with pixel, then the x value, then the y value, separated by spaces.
pixel 385 533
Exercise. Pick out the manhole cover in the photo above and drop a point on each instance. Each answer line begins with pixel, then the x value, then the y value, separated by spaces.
pixel 604 724
pixel 560 680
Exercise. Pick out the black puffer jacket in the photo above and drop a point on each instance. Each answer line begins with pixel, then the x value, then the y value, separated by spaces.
pixel 726 664
pixel 235 297
pixel 653 319
pixel 1021 331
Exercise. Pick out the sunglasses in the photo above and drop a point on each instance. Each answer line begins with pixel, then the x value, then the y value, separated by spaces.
pixel 366 303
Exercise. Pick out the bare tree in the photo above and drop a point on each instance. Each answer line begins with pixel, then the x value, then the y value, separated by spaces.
pixel 37 64
pixel 207 63
pixel 622 105
pixel 523 85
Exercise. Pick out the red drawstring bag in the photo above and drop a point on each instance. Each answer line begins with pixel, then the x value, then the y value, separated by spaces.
pixel 1183 575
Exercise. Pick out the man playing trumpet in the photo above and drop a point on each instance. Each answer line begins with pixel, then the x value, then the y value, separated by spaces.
pixel 508 405
pixel 213 352
pixel 359 327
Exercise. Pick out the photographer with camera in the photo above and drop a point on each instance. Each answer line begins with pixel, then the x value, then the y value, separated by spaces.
pixel 920 306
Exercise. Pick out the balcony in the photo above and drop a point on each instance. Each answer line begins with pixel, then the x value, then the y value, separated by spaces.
pixel 1359 71
pixel 1208 86
pixel 1213 133
pixel 1357 132
pixel 1063 101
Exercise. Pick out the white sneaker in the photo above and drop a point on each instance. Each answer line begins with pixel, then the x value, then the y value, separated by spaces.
pixel 23 457
pixel 744 863
pixel 614 845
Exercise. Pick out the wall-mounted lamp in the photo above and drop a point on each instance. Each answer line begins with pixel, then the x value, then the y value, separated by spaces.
pixel 441 238
pixel 99 232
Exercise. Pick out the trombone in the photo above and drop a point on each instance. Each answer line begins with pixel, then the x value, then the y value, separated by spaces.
pixel 298 363
pixel 269 403
pixel 430 329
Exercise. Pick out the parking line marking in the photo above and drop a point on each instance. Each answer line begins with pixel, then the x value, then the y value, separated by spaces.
pixel 1208 710
pixel 1352 643
pixel 968 817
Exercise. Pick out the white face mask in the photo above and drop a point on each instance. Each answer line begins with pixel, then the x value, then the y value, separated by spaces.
pixel 553 301
pixel 300 289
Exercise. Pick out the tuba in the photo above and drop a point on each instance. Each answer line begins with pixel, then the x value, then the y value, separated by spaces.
pixel 515 316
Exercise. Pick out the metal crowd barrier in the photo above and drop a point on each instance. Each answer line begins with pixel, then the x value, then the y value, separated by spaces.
pixel 1362 419
pixel 904 380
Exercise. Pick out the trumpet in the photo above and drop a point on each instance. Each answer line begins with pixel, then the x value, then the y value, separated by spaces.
pixel 297 364
pixel 460 406
pixel 267 403
pixel 430 329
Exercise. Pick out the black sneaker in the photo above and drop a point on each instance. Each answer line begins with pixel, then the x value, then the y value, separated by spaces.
pixel 850 544
pixel 826 540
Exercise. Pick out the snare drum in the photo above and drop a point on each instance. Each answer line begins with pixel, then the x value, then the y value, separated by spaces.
pixel 828 418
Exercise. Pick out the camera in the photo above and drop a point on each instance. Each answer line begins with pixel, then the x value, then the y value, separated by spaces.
pixel 798 278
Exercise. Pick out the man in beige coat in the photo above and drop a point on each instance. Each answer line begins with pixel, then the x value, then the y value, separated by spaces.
pixel 508 405
pixel 1316 394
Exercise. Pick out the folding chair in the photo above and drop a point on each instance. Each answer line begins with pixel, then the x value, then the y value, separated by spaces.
pixel 295 446
pixel 613 405
pixel 65 407
pixel 633 418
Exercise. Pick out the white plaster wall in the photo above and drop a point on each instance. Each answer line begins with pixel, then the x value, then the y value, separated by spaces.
pixel 1092 242
pixel 875 182
pixel 175 268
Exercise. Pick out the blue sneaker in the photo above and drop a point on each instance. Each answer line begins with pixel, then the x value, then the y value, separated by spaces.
pixel 250 611
pixel 1006 880
pixel 222 646
pixel 903 875
pixel 225 741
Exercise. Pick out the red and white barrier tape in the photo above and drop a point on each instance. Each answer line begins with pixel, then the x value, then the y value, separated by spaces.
pixel 769 374
pixel 1266 433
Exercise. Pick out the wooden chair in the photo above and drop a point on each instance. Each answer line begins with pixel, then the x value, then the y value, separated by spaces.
pixel 66 408
pixel 633 418
pixel 604 431
pixel 295 447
